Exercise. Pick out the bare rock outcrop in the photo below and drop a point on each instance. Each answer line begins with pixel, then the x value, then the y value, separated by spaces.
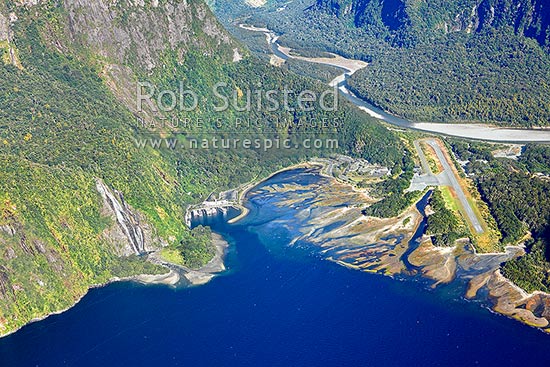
pixel 128 31
pixel 131 234
pixel 4 27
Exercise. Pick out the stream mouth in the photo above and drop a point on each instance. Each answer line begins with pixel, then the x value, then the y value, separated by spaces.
pixel 414 242
pixel 302 212
pixel 279 304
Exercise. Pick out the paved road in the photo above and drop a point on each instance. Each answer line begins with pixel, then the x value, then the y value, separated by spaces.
pixel 455 184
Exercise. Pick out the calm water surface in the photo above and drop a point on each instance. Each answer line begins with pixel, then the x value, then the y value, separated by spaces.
pixel 277 306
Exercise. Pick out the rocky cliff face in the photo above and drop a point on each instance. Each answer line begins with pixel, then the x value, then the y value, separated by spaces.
pixel 526 17
pixel 140 31
pixel 530 18
pixel 8 53
pixel 128 38
pixel 125 38
pixel 4 28
pixel 62 229
pixel 131 235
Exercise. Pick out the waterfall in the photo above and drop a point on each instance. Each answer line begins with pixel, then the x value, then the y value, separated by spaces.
pixel 126 219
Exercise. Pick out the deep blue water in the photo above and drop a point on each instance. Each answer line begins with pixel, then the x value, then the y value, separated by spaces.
pixel 276 306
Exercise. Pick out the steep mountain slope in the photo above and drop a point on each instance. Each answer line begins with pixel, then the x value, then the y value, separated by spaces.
pixel 76 194
pixel 431 60
pixel 491 77
pixel 82 200
pixel 417 20
pixel 487 68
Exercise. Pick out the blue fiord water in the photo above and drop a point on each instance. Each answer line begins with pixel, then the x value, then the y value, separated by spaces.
pixel 276 306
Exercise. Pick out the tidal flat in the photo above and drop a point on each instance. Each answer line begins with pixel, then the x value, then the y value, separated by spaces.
pixel 327 218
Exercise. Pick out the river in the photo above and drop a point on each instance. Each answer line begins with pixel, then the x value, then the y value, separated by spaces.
pixel 462 130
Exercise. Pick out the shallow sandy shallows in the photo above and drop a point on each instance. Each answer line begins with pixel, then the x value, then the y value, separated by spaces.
pixel 328 215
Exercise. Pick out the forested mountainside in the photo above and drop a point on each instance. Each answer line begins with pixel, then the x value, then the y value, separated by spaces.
pixel 486 68
pixel 413 21
pixel 462 66
pixel 81 199
pixel 448 61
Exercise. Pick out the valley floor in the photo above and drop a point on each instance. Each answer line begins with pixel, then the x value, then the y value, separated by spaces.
pixel 470 130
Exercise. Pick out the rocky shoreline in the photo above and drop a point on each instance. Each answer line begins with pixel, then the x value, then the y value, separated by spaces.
pixel 215 266
pixel 382 245
pixel 176 275
pixel 182 275
pixel 369 244
pixel 167 279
